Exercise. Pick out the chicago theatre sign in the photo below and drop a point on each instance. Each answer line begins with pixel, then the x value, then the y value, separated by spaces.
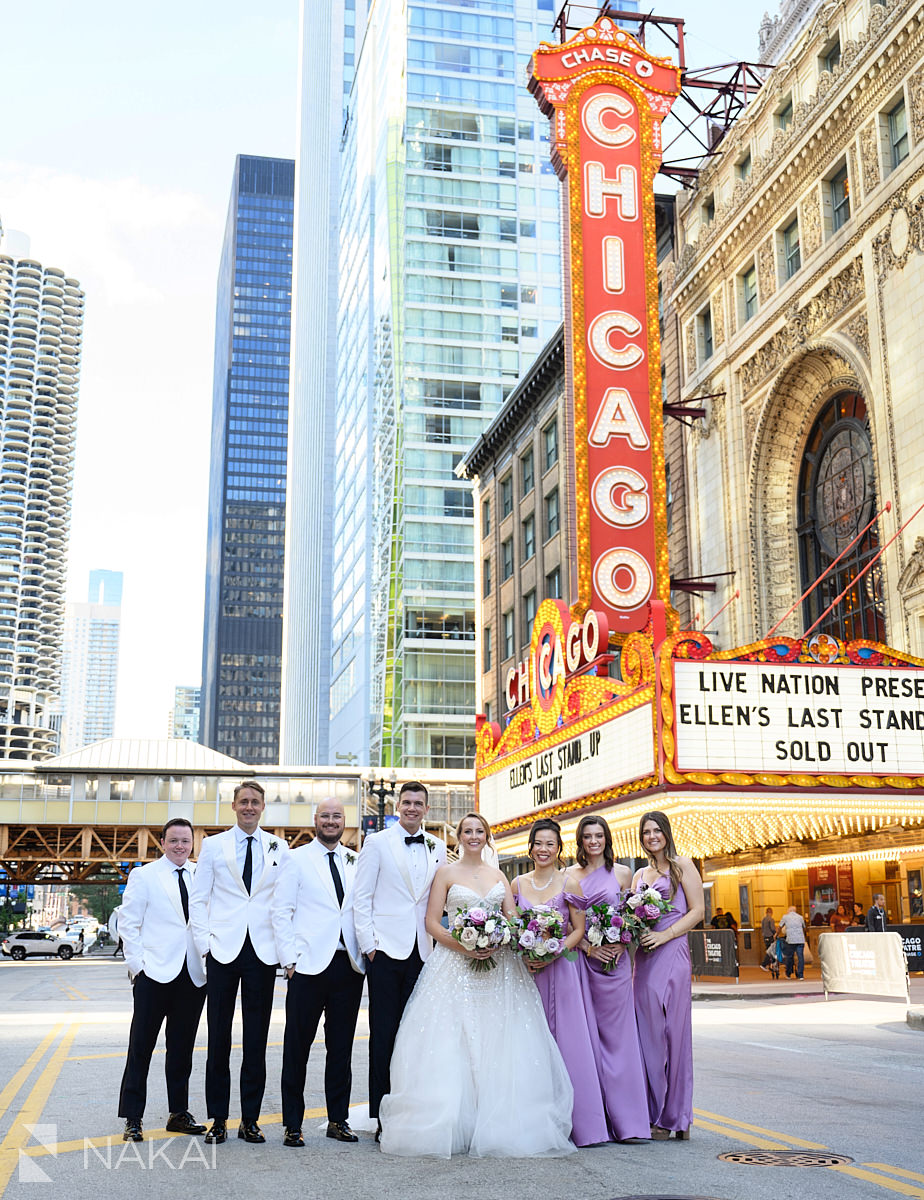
pixel 709 736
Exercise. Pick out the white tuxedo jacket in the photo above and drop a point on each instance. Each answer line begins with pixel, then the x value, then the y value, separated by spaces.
pixel 221 913
pixel 307 919
pixel 154 933
pixel 389 914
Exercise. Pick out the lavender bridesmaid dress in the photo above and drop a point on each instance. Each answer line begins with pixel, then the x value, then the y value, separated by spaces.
pixel 560 992
pixel 664 1007
pixel 611 1015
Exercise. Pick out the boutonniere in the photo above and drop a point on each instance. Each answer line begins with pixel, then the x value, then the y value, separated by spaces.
pixel 350 857
pixel 431 845
pixel 274 845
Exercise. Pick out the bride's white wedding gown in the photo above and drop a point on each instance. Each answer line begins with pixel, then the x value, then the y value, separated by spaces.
pixel 475 1069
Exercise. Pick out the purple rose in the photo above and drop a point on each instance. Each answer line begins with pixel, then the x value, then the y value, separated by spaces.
pixel 477 916
pixel 616 921
pixel 626 936
pixel 533 926
pixel 527 940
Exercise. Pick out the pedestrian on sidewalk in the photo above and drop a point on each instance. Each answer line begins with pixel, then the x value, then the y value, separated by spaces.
pixel 768 933
pixel 792 924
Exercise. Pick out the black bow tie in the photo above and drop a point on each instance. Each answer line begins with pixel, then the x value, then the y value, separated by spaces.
pixel 409 840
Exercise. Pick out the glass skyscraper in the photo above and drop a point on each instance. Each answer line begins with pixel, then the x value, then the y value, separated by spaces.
pixel 90 667
pixel 449 284
pixel 242 641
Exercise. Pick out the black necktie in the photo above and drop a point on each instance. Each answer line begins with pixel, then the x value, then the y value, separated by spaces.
pixel 335 874
pixel 184 895
pixel 248 863
pixel 409 840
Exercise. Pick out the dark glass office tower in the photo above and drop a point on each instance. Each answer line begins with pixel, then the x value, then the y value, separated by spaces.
pixel 242 640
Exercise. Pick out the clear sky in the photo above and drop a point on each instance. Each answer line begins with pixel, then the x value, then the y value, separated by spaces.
pixel 121 122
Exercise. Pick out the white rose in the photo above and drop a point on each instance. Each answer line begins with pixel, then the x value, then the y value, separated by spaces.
pixel 541 948
pixel 483 943
pixel 612 935
pixel 490 926
pixel 595 937
pixel 458 922
pixel 634 901
pixel 468 938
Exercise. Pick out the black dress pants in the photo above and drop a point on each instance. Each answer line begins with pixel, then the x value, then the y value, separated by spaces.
pixel 256 980
pixel 391 981
pixel 179 1003
pixel 336 992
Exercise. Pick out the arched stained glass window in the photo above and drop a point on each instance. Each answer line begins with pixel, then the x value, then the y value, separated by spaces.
pixel 837 499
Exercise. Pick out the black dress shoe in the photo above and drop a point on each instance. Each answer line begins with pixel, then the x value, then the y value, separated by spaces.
pixel 183 1122
pixel 250 1131
pixel 218 1132
pixel 293 1137
pixel 341 1131
pixel 132 1131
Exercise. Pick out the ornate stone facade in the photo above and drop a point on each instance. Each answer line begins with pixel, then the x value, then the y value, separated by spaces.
pixel 844 318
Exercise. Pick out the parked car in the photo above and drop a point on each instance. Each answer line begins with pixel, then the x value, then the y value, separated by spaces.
pixel 31 942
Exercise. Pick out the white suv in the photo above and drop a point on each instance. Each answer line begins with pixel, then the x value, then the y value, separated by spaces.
pixel 31 942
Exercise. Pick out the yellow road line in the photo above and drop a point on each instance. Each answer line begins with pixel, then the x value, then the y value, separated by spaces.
pixel 31 1110
pixel 759 1129
pixel 752 1140
pixel 893 1185
pixel 9 1092
pixel 896 1171
pixel 150 1135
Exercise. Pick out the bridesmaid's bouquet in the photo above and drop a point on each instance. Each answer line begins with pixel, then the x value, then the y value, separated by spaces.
pixel 642 910
pixel 539 934
pixel 606 926
pixel 480 928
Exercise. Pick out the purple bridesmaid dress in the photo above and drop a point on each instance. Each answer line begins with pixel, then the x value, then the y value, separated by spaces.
pixel 611 1014
pixel 664 1008
pixel 560 992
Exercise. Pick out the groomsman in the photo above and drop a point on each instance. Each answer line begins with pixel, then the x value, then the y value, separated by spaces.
pixel 316 944
pixel 229 909
pixel 393 877
pixel 168 980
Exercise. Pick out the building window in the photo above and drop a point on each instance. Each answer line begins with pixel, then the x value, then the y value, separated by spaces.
pixel 749 292
pixel 669 496
pixel 529 538
pixel 743 167
pixel 508 634
pixel 506 559
pixel 506 490
pixel 486 577
pixel 704 322
pixel 551 514
pixel 553 584
pixel 550 437
pixel 898 134
pixel 526 472
pixel 784 115
pixel 529 615
pixel 707 212
pixel 485 518
pixel 486 644
pixel 831 55
pixel 837 499
pixel 792 255
pixel 839 188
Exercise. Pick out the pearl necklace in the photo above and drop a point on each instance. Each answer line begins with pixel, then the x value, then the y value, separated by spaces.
pixel 541 887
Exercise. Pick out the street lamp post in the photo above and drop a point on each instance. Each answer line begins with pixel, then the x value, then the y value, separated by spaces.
pixel 379 791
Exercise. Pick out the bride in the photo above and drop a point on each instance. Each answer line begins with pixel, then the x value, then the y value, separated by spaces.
pixel 475 1069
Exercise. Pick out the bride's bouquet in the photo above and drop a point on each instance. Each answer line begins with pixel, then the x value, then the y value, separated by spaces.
pixel 606 926
pixel 480 928
pixel 642 910
pixel 538 934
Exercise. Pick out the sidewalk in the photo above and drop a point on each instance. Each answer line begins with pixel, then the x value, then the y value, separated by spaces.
pixel 754 984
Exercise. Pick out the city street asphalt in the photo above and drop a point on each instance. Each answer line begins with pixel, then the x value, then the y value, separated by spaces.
pixel 792 1073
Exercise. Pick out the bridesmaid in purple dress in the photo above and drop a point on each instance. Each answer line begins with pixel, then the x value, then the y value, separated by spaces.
pixel 598 879
pixel 663 1001
pixel 558 983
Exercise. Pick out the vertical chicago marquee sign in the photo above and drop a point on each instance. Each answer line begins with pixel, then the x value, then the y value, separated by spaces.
pixel 606 97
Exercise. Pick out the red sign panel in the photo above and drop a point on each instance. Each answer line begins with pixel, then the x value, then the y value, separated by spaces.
pixel 607 97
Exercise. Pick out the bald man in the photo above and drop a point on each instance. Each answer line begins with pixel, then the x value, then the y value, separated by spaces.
pixel 316 942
